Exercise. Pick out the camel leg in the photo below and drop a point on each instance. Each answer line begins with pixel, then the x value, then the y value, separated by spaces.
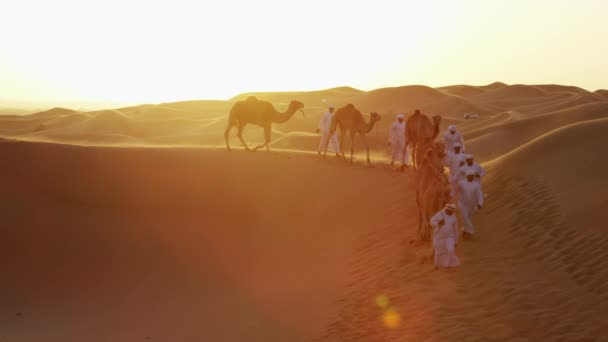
pixel 342 143
pixel 352 145
pixel 414 161
pixel 227 134
pixel 240 135
pixel 364 139
pixel 266 140
pixel 327 144
pixel 403 159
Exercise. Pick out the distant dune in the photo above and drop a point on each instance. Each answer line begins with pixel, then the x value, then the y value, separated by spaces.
pixel 602 92
pixel 463 90
pixel 495 140
pixel 203 121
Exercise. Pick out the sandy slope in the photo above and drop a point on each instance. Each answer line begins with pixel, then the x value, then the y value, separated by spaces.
pixel 534 273
pixel 103 244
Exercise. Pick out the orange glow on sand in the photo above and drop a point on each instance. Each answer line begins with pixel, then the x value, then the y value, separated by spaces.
pixel 391 318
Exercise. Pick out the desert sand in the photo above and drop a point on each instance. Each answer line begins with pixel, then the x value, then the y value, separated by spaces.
pixel 135 224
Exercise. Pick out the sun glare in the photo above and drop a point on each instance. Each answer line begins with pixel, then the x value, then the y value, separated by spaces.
pixel 148 51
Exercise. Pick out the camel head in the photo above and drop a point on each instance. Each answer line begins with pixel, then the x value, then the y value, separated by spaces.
pixel 436 120
pixel 374 117
pixel 297 105
pixel 433 156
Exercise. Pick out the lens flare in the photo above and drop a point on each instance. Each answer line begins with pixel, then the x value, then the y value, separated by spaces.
pixel 391 318
pixel 382 301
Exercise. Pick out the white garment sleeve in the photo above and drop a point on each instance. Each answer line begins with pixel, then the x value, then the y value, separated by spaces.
pixel 456 232
pixel 436 218
pixel 479 196
pixel 458 188
pixel 480 171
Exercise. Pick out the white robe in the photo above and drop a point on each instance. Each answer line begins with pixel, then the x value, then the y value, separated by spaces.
pixel 462 172
pixel 469 197
pixel 450 139
pixel 445 239
pixel 324 126
pixel 453 161
pixel 397 139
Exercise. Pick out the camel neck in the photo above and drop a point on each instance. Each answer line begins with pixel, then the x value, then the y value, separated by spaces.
pixel 285 116
pixel 370 125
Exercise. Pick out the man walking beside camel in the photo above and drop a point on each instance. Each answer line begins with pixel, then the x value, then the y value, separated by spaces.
pixel 397 141
pixel 445 237
pixel 324 126
pixel 470 200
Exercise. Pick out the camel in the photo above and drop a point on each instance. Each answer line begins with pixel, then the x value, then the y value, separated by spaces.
pixel 259 113
pixel 350 120
pixel 432 188
pixel 420 130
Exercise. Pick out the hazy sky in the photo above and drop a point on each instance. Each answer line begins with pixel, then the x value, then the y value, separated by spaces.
pixel 154 51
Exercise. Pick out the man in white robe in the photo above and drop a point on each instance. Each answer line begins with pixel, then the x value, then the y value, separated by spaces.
pixel 445 237
pixel 470 164
pixel 397 141
pixel 324 126
pixel 470 199
pixel 451 137
pixel 454 160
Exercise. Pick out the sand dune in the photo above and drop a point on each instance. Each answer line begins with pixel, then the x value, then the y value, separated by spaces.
pixel 204 244
pixel 602 92
pixel 176 245
pixel 496 140
pixel 203 121
pixel 495 85
pixel 535 271
pixel 463 90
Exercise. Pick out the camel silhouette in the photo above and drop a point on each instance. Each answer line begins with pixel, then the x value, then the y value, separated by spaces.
pixel 259 113
pixel 420 130
pixel 350 120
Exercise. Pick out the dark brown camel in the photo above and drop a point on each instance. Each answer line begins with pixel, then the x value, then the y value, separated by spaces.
pixel 420 130
pixel 432 188
pixel 350 120
pixel 259 113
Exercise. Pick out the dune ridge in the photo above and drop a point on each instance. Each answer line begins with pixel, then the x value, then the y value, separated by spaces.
pixel 203 121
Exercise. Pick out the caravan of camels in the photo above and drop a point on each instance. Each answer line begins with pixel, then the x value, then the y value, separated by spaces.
pixel 440 195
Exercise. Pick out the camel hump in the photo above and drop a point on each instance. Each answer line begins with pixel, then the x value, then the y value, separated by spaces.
pixel 252 99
